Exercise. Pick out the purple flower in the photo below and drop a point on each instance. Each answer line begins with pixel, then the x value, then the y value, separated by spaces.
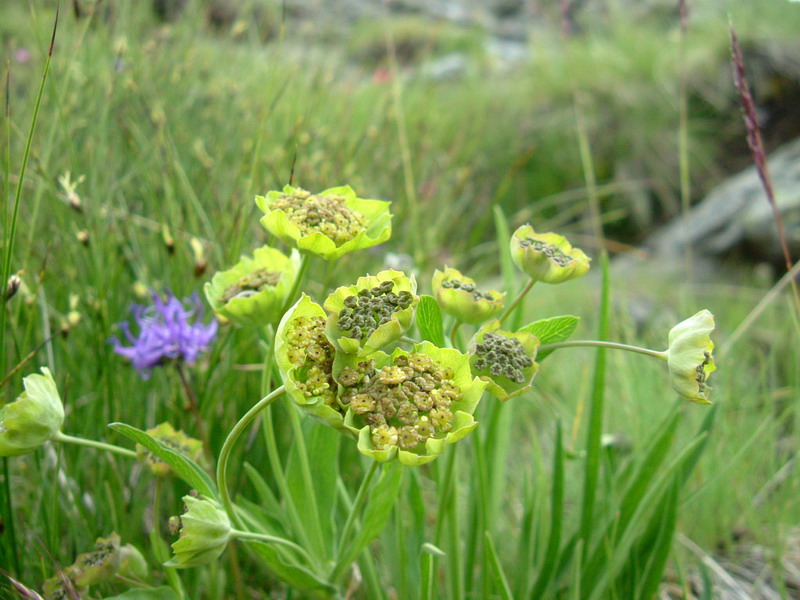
pixel 165 333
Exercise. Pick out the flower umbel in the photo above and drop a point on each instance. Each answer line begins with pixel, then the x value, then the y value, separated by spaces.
pixel 33 418
pixel 166 332
pixel 460 297
pixel 504 360
pixel 205 531
pixel 305 359
pixel 374 312
pixel 328 224
pixel 547 257
pixel 409 405
pixel 689 356
pixel 254 291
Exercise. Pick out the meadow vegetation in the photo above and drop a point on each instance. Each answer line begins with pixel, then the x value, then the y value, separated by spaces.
pixel 150 145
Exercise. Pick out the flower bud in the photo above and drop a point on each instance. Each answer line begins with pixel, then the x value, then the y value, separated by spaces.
pixel 373 313
pixel 689 356
pixel 460 297
pixel 547 257
pixel 205 532
pixel 33 418
pixel 254 291
pixel 504 360
pixel 329 224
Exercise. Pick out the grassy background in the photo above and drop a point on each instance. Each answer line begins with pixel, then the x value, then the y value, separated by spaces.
pixel 173 129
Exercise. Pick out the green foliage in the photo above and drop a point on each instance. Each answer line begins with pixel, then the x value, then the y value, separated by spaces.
pixel 171 133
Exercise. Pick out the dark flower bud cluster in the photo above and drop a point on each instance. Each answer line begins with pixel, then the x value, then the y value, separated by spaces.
pixel 250 284
pixel 312 354
pixel 502 356
pixel 549 250
pixel 477 293
pixel 370 309
pixel 404 403
pixel 328 215
pixel 701 372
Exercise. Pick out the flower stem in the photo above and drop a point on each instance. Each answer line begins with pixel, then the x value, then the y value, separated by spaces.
pixel 69 439
pixel 301 274
pixel 453 333
pixel 517 300
pixel 227 447
pixel 194 407
pixel 344 540
pixel 602 344
pixel 271 539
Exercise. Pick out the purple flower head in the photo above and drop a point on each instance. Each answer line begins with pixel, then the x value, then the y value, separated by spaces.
pixel 166 333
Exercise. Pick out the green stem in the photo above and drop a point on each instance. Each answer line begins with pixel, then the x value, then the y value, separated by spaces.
pixel 301 274
pixel 69 439
pixel 227 447
pixel 453 333
pixel 517 300
pixel 602 344
pixel 271 539
pixel 344 540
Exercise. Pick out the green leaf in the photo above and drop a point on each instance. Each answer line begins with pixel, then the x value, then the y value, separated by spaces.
pixel 185 468
pixel 500 580
pixel 291 572
pixel 159 593
pixel 547 571
pixel 381 500
pixel 552 331
pixel 429 320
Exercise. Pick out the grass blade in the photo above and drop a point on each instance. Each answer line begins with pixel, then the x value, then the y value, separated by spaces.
pixel 593 447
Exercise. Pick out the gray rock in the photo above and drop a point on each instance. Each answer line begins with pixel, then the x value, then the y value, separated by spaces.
pixel 736 215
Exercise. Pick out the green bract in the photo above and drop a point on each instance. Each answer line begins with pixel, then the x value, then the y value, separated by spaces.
pixel 547 257
pixel 460 297
pixel 305 360
pixel 205 531
pixel 689 356
pixel 254 292
pixel 329 224
pixel 504 360
pixel 33 418
pixel 409 405
pixel 373 313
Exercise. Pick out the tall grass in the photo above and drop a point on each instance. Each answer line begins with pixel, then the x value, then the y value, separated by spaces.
pixel 175 130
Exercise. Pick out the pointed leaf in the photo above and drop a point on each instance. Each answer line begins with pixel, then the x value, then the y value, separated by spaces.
pixel 185 468
pixel 551 331
pixel 429 320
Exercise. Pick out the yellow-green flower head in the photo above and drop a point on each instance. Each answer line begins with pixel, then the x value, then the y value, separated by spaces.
pixel 328 224
pixel 205 531
pixel 458 296
pixel 254 291
pixel 547 257
pixel 90 568
pixel 409 406
pixel 506 361
pixel 177 440
pixel 33 418
pixel 305 359
pixel 373 313
pixel 689 356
